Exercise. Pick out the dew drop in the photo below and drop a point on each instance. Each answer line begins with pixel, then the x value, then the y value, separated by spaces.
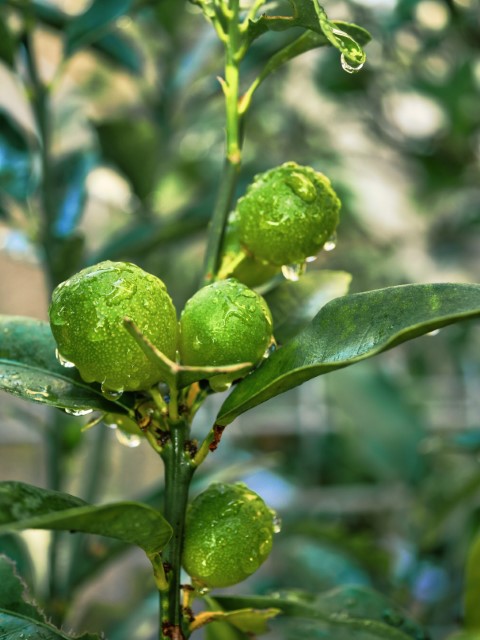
pixel 111 394
pixel 311 258
pixel 203 591
pixel 78 412
pixel 129 440
pixel 269 350
pixel 111 425
pixel 293 272
pixel 348 66
pixel 277 523
pixel 331 243
pixel 63 361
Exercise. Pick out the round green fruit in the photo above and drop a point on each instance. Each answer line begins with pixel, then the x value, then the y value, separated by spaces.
pixel 287 214
pixel 224 323
pixel 228 535
pixel 87 314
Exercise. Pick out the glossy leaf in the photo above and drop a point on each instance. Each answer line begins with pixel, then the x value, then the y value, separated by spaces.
pixel 342 613
pixel 17 160
pixel 29 370
pixel 350 329
pixel 294 304
pixel 69 177
pixel 91 25
pixel 23 506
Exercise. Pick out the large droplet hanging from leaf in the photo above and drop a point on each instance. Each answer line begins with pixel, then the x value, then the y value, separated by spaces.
pixel 86 317
pixel 287 214
pixel 228 535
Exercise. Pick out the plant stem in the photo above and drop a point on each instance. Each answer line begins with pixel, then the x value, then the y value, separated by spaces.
pixel 233 145
pixel 178 473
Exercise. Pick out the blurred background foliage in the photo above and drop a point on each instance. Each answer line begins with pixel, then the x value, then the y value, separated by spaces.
pixel 111 147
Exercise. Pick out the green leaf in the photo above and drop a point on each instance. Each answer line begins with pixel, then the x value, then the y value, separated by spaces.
pixel 23 506
pixel 12 592
pixel 350 329
pixel 472 588
pixel 121 50
pixel 14 547
pixel 92 25
pixel 30 370
pixel 69 178
pixel 15 627
pixel 17 160
pixel 294 304
pixel 250 620
pixel 343 613
pixel 7 44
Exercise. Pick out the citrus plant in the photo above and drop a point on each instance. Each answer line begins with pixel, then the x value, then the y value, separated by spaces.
pixel 116 345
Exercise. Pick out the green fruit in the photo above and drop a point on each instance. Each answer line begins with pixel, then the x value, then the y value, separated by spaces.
pixel 228 535
pixel 287 214
pixel 86 317
pixel 224 323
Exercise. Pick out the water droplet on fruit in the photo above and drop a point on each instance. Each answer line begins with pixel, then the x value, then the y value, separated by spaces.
pixel 111 394
pixel 78 412
pixel 129 440
pixel 293 272
pixel 277 523
pixel 301 186
pixel 331 243
pixel 348 66
pixel 63 361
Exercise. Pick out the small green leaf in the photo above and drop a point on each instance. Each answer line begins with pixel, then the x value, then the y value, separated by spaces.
pixel 17 160
pixel 93 24
pixel 294 304
pixel 29 370
pixel 340 614
pixel 350 329
pixel 23 506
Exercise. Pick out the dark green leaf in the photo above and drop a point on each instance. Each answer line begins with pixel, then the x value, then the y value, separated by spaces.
pixel 14 547
pixel 294 304
pixel 120 49
pixel 15 627
pixel 29 370
pixel 23 506
pixel 17 160
pixel 342 613
pixel 93 24
pixel 69 178
pixel 7 44
pixel 133 145
pixel 12 596
pixel 350 329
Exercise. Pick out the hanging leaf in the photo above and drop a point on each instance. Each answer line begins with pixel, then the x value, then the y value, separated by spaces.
pixel 93 24
pixel 18 177
pixel 294 304
pixel 23 506
pixel 350 329
pixel 30 370
pixel 340 614
pixel 69 178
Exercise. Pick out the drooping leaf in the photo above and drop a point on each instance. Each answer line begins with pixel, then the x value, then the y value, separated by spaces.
pixel 345 612
pixel 94 23
pixel 69 179
pixel 350 329
pixel 294 304
pixel 30 370
pixel 18 176
pixel 23 506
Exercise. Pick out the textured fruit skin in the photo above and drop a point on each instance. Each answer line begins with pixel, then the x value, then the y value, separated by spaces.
pixel 86 317
pixel 287 214
pixel 228 535
pixel 224 323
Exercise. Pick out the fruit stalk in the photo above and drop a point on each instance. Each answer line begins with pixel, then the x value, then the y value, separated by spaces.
pixel 233 155
pixel 178 474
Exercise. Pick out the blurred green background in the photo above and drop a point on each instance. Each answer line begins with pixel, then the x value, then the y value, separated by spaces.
pixel 373 470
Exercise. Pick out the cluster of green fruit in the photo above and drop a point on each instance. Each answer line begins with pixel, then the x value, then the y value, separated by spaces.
pixel 286 215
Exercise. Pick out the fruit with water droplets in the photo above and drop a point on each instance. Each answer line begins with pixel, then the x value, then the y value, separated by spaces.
pixel 87 314
pixel 228 535
pixel 224 323
pixel 287 214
